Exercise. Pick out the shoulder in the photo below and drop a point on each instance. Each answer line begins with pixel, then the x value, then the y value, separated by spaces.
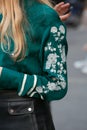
pixel 40 13
pixel 42 18
pixel 50 15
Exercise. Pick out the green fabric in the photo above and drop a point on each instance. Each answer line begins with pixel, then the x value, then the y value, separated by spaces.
pixel 43 71
pixel 0 17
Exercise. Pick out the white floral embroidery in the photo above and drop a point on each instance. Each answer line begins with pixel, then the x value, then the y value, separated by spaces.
pixel 58 32
pixel 61 78
pixel 53 86
pixel 49 47
pixel 51 60
pixel 64 71
pixel 63 84
pixel 63 54
pixel 55 63
pixel 62 29
pixel 62 37
pixel 54 29
pixel 53 70
pixel 56 38
pixel 60 46
pixel 39 89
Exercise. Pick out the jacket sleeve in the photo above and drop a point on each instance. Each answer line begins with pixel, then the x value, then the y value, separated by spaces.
pixel 52 84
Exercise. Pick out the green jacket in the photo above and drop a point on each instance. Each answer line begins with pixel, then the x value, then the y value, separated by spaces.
pixel 43 71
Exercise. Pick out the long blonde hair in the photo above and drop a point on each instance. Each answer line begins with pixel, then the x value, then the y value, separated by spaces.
pixel 11 26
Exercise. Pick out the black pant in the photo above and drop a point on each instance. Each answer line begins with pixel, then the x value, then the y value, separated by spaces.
pixel 18 113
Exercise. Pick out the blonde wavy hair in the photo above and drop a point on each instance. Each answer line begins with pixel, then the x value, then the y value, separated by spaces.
pixel 11 27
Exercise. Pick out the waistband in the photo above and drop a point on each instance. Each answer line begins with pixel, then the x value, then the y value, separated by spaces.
pixel 11 95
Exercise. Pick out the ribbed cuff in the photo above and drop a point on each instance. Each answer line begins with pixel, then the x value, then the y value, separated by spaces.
pixel 27 86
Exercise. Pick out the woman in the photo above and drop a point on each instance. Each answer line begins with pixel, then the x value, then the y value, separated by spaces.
pixel 33 70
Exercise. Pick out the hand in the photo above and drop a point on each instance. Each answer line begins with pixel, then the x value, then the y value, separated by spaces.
pixel 62 9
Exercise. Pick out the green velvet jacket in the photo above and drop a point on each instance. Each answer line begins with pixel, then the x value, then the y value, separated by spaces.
pixel 43 71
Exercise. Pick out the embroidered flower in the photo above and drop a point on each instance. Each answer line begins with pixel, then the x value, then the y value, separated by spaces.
pixel 58 34
pixel 51 86
pixel 52 58
pixel 62 29
pixel 63 84
pixel 53 70
pixel 59 72
pixel 48 65
pixel 58 63
pixel 62 37
pixel 64 71
pixel 63 54
pixel 54 29
pixel 39 89
pixel 51 62
pixel 59 46
pixel 56 38
pixel 50 47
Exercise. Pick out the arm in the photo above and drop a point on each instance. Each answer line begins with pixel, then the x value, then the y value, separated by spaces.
pixel 52 85
pixel 62 9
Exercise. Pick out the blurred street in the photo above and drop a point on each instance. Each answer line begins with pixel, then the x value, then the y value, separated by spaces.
pixel 70 113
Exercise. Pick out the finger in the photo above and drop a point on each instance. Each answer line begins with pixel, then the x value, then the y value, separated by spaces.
pixel 62 5
pixel 65 17
pixel 62 8
pixel 65 8
pixel 58 6
pixel 66 5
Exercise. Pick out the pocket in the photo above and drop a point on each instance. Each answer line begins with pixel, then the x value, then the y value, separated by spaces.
pixel 20 107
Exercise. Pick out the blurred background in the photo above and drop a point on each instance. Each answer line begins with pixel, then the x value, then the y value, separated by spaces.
pixel 70 113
